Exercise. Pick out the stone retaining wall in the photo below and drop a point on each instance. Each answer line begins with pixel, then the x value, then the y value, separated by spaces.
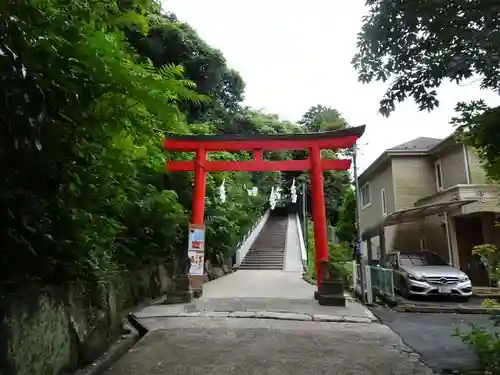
pixel 47 330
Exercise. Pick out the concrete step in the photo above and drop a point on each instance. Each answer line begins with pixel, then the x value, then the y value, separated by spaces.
pixel 263 261
pixel 273 266
pixel 270 244
pixel 268 250
pixel 260 267
pixel 265 253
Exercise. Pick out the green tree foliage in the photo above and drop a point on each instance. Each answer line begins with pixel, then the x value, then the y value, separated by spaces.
pixel 346 226
pixel 170 41
pixel 419 45
pixel 477 124
pixel 321 118
pixel 80 157
pixel 84 195
pixel 339 257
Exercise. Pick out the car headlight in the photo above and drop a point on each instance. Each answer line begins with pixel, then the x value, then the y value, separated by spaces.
pixel 463 278
pixel 415 277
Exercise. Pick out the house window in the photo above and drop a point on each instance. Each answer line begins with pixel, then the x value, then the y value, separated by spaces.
pixel 366 198
pixel 384 202
pixel 439 175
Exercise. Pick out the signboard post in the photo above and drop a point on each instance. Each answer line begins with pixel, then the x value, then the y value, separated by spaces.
pixel 196 237
pixel 196 249
pixel 196 259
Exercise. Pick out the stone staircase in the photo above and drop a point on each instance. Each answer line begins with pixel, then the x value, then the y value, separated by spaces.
pixel 268 250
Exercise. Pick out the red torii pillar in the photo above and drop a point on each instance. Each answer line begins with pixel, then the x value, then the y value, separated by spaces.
pixel 313 142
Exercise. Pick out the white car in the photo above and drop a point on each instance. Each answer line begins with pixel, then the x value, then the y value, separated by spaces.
pixel 424 273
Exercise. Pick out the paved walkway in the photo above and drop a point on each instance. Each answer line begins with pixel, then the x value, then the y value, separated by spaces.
pixel 265 322
pixel 267 294
pixel 259 284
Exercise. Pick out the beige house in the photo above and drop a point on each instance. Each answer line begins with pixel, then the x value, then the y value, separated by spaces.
pixel 429 194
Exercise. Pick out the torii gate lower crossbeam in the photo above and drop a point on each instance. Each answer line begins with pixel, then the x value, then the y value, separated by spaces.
pixel 313 142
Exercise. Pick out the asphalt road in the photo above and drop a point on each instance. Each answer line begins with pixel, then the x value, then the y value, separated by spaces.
pixel 430 335
pixel 222 346
pixel 251 323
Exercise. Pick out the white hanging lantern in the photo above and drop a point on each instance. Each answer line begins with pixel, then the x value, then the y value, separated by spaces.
pixel 293 191
pixel 277 192
pixel 222 191
pixel 272 199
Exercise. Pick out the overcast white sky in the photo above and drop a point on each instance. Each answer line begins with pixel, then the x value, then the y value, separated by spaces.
pixel 295 54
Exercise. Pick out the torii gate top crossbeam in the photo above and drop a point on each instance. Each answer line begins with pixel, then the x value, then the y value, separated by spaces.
pixel 344 138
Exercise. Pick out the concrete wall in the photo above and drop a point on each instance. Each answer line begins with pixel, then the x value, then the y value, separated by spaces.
pixel 413 179
pixel 372 214
pixel 477 172
pixel 453 166
pixel 302 243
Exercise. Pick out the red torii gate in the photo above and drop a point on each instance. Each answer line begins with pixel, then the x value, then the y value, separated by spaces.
pixel 313 142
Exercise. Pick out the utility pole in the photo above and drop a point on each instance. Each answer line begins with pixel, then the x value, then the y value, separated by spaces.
pixel 359 250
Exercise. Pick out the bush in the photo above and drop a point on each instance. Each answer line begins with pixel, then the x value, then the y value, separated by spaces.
pixel 486 344
pixel 84 197
pixel 339 257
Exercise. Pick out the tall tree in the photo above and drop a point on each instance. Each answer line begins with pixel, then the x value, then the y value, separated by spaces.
pixel 418 45
pixel 346 227
pixel 170 41
pixel 81 161
pixel 321 118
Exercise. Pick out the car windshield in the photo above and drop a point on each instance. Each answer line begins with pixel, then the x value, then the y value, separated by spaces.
pixel 421 259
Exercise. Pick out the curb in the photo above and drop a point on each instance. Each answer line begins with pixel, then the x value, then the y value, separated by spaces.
pixel 136 332
pixel 307 279
pixel 118 349
pixel 286 316
pixel 444 309
pixel 348 295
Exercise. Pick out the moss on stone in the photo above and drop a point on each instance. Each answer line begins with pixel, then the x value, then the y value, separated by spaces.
pixel 39 342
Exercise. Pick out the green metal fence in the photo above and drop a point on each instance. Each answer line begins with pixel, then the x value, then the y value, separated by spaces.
pixel 382 283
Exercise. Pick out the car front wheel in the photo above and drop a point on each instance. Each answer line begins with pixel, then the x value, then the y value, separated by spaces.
pixel 405 291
